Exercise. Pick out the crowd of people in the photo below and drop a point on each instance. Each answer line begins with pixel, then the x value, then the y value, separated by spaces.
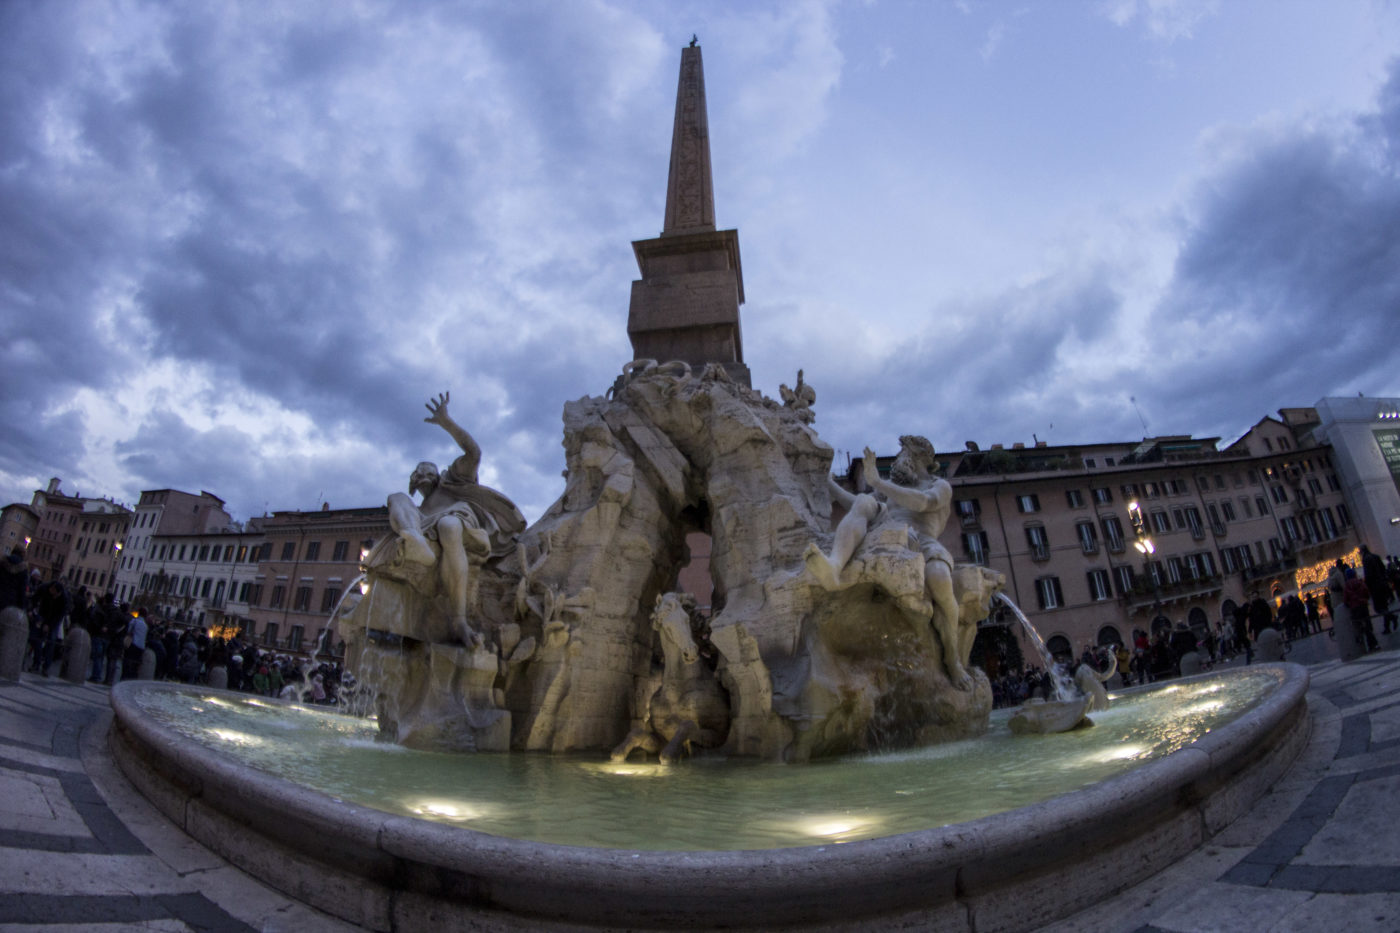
pixel 120 637
pixel 1365 592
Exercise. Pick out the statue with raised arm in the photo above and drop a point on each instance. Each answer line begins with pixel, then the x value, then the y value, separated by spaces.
pixel 463 517
pixel 915 497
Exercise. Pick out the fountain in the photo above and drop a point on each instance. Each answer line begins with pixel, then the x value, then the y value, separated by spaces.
pixel 480 640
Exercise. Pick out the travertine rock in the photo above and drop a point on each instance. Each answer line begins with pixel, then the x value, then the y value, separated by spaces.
pixel 570 659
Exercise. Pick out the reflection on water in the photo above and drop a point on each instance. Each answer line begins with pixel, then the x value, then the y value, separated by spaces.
pixel 706 803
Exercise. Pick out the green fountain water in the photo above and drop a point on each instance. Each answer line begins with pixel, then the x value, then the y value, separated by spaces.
pixel 706 804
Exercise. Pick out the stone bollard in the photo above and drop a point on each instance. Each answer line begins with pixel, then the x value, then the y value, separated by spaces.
pixel 14 638
pixel 1190 663
pixel 218 677
pixel 1269 646
pixel 77 655
pixel 147 671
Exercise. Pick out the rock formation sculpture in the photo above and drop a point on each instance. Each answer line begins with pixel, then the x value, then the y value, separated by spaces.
pixel 556 647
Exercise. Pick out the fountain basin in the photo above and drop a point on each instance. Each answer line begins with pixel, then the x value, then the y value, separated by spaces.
pixel 1012 870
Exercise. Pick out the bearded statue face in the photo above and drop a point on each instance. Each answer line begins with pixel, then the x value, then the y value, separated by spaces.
pixel 425 477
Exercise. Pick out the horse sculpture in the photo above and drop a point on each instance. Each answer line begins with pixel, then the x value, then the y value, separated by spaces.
pixel 688 707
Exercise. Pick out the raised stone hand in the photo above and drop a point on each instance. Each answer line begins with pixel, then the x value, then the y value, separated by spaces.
pixel 438 408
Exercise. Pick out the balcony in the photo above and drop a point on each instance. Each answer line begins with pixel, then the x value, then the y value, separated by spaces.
pixel 1040 552
pixel 1089 547
pixel 1116 545
pixel 970 519
pixel 1143 596
pixel 1217 529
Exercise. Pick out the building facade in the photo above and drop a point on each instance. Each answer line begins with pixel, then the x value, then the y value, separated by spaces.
pixel 59 516
pixel 1263 517
pixel 167 512
pixel 96 550
pixel 1365 435
pixel 308 562
pixel 19 524
pixel 202 580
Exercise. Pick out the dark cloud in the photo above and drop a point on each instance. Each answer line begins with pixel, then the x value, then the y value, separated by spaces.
pixel 330 216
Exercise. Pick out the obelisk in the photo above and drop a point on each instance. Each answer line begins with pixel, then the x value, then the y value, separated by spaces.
pixel 686 305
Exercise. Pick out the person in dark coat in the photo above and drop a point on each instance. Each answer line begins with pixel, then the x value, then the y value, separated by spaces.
pixel 1373 571
pixel 14 580
pixel 1261 616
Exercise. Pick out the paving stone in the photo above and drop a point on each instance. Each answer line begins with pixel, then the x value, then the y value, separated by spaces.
pixel 1227 908
pixel 1374 913
pixel 1354 835
pixel 36 803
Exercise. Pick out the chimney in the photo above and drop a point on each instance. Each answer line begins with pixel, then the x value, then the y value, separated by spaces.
pixel 53 486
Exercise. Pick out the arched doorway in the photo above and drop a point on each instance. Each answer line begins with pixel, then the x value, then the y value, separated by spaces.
pixel 1161 625
pixel 1196 618
pixel 1108 635
pixel 1060 645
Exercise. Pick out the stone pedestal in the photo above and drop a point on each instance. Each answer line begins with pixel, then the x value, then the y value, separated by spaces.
pixel 147 671
pixel 1269 646
pixel 14 638
pixel 77 655
pixel 1190 663
pixel 218 677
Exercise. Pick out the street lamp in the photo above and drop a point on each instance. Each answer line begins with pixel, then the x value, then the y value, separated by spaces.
pixel 1145 546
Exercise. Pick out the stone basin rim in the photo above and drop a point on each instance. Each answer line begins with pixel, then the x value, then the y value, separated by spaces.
pixel 914 870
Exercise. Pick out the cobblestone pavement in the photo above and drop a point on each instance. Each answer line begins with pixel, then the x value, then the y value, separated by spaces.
pixel 81 850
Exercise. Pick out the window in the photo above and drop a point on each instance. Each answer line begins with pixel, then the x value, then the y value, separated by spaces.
pixel 203 552
pixel 1039 542
pixel 1227 558
pixel 270 634
pixel 975 546
pixel 1123 576
pixel 1333 483
pixel 182 552
pixel 1099 586
pixel 1151 490
pixel 1048 593
pixel 219 593
pixel 1160 524
pixel 1030 503
pixel 969 512
pixel 1202 483
pixel 328 599
pixel 254 594
pixel 1343 516
pixel 1113 533
pixel 1262 505
pixel 1088 540
pixel 1179 517
pixel 1268 445
pixel 339 552
pixel 1175 571
pixel 1254 477
pixel 1245 505
pixel 228 553
pixel 185 586
pixel 1103 495
pixel 242 553
pixel 289 550
pixel 313 550
pixel 302 600
pixel 1074 498
pixel 204 590
pixel 1329 526
pixel 1108 461
pixel 1279 493
pixel 279 593
pixel 266 553
pixel 1219 481
pixel 1193 521
pixel 1129 490
pixel 1089 463
pixel 1315 485
pixel 294 637
pixel 243 592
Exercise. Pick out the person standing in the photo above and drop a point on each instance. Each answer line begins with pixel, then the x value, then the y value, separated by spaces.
pixel 1357 598
pixel 14 581
pixel 1373 570
pixel 52 608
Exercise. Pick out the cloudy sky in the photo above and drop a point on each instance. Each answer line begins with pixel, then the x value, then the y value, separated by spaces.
pixel 242 243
